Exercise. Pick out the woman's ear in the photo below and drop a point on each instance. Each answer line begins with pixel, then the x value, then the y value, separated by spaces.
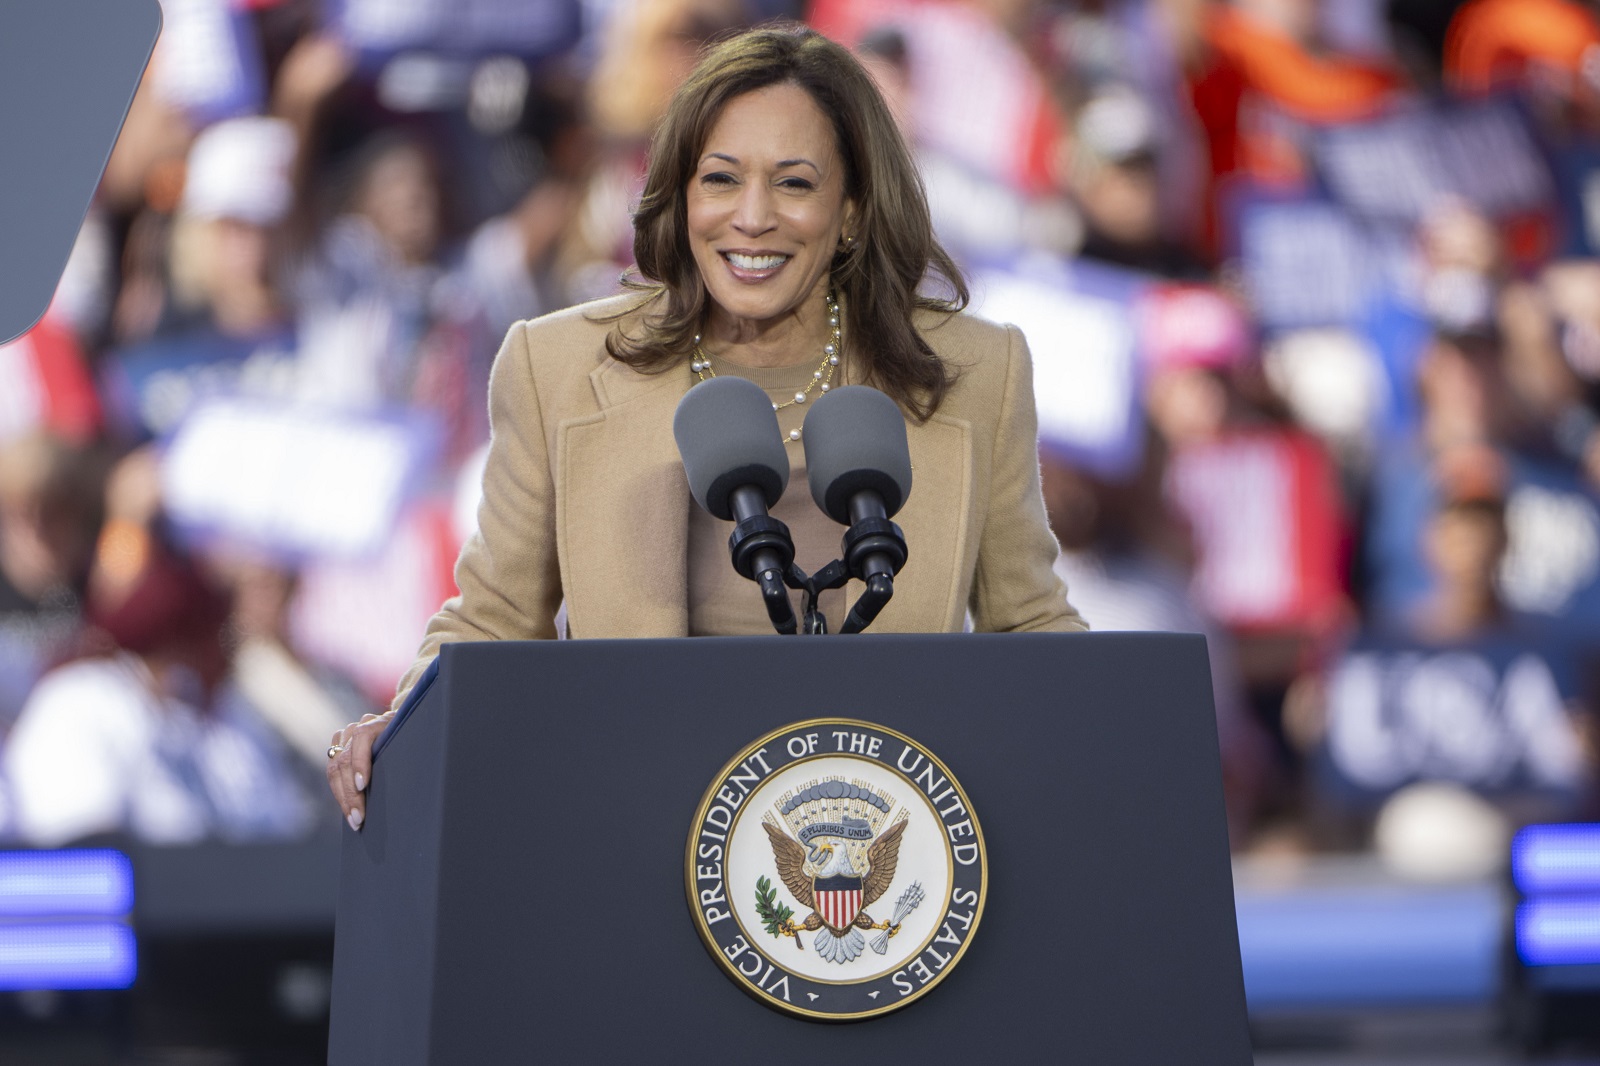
pixel 848 229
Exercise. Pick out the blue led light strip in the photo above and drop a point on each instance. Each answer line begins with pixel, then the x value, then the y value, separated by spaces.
pixel 63 920
pixel 66 955
pixel 59 884
pixel 1559 932
pixel 1550 859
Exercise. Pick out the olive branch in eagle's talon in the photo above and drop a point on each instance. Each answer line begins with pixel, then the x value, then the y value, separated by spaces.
pixel 775 915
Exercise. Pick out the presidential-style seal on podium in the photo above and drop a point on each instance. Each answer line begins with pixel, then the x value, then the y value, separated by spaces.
pixel 836 870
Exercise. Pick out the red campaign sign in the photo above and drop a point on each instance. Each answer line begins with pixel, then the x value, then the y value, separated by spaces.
pixel 1268 527
pixel 975 96
pixel 48 386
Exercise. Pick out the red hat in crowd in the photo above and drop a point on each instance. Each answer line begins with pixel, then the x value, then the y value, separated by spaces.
pixel 146 596
pixel 1193 327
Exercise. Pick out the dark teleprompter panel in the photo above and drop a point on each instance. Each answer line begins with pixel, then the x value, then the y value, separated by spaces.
pixel 68 71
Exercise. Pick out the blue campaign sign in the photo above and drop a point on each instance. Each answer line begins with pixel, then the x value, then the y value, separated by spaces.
pixel 1495 715
pixel 1080 323
pixel 1578 177
pixel 1309 262
pixel 1306 263
pixel 459 27
pixel 209 61
pixel 1400 167
pixel 149 388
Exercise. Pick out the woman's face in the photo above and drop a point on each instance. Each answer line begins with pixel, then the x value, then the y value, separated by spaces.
pixel 400 197
pixel 766 207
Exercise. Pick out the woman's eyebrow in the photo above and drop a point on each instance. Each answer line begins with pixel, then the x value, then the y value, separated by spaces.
pixel 782 163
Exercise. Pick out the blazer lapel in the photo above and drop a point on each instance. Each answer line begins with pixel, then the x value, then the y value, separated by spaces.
pixel 936 519
pixel 623 509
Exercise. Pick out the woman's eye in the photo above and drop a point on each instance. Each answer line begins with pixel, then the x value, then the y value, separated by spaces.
pixel 797 184
pixel 717 178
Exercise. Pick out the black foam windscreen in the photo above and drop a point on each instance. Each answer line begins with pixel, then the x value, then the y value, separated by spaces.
pixel 855 440
pixel 727 433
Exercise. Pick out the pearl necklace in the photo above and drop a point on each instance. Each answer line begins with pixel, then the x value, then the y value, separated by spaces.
pixel 821 378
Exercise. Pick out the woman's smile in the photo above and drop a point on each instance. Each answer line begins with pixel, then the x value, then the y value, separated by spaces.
pixel 754 267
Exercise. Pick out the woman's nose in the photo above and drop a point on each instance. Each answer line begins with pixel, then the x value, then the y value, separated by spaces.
pixel 754 214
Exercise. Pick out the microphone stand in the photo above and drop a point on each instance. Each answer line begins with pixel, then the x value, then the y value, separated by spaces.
pixel 763 551
pixel 832 576
pixel 874 550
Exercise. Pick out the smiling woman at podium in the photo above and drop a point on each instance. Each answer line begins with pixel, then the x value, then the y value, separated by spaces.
pixel 783 236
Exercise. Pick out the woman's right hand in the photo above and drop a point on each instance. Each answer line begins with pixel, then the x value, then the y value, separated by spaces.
pixel 350 765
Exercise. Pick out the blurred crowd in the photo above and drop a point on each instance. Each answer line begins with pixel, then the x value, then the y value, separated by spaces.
pixel 1313 291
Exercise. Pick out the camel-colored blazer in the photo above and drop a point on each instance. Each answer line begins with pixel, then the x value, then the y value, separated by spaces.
pixel 585 498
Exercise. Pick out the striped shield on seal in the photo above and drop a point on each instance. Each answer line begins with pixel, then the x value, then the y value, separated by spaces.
pixel 838 900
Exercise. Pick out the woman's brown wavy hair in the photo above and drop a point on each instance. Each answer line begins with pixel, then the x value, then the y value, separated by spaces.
pixel 877 276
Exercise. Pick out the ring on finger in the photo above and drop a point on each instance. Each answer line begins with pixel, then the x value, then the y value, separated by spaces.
pixel 335 750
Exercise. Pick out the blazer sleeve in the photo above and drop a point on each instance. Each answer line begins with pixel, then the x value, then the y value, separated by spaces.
pixel 508 573
pixel 1015 587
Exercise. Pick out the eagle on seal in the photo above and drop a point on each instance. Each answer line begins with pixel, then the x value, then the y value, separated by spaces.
pixel 837 893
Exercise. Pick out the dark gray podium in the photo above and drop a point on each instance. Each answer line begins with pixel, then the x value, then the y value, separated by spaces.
pixel 517 894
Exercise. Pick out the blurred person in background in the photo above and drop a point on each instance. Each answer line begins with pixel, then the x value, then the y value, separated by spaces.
pixel 1115 182
pixel 1460 266
pixel 51 501
pixel 1464 404
pixel 385 316
pixel 225 325
pixel 301 699
pixel 1464 542
pixel 1144 47
pixel 139 193
pixel 1550 392
pixel 1260 495
pixel 144 734
pixel 531 259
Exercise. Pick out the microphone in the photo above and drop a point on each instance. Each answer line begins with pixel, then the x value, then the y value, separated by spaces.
pixel 859 467
pixel 727 434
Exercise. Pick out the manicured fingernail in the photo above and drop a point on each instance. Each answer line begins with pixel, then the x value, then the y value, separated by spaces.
pixel 354 819
pixel 361 783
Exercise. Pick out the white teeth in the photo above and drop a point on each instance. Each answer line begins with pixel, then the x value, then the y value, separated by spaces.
pixel 755 262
